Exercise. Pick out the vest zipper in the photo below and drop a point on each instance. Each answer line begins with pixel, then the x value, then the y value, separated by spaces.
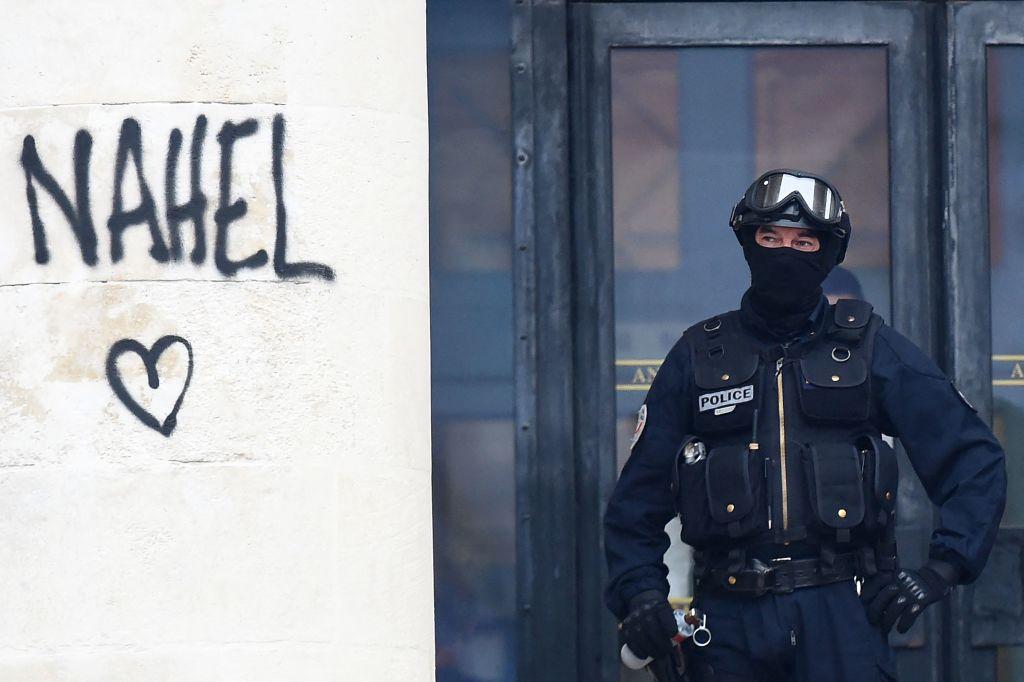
pixel 782 442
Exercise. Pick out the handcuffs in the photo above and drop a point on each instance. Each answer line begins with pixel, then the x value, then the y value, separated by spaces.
pixel 693 625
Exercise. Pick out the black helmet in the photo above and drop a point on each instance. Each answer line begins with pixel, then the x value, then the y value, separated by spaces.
pixel 793 198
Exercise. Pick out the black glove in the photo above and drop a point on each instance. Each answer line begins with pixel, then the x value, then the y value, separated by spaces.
pixel 903 595
pixel 650 625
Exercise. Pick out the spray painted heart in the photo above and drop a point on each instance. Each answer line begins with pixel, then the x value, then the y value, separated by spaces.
pixel 149 356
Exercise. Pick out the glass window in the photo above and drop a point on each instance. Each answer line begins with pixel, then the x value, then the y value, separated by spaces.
pixel 691 127
pixel 1005 165
pixel 471 339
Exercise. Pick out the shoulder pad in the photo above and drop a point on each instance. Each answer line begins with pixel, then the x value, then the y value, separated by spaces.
pixel 712 325
pixel 722 357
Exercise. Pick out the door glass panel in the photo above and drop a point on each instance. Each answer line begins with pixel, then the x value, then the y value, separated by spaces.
pixel 1006 171
pixel 471 341
pixel 691 127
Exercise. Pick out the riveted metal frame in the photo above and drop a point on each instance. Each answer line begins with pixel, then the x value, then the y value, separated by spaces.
pixel 904 29
pixel 545 473
pixel 971 27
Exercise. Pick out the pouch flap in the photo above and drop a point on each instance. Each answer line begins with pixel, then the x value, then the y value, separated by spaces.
pixel 728 482
pixel 734 366
pixel 887 475
pixel 837 484
pixel 820 369
pixel 851 313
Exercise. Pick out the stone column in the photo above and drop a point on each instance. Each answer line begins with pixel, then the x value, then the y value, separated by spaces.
pixel 214 361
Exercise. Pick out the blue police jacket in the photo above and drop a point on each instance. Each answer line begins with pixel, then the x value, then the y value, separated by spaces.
pixel 952 450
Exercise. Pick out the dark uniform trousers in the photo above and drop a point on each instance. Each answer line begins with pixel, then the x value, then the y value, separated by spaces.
pixel 813 634
pixel 822 476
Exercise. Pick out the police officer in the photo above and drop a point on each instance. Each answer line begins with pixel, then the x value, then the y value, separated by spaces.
pixel 763 431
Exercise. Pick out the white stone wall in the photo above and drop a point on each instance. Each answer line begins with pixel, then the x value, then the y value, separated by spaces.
pixel 280 528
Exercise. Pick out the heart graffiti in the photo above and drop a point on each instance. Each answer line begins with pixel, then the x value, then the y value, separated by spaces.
pixel 149 356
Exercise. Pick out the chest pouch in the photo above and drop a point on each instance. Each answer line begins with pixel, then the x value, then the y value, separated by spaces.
pixel 834 471
pixel 727 390
pixel 732 489
pixel 720 496
pixel 835 384
pixel 881 479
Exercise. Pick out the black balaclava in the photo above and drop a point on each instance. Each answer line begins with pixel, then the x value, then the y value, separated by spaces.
pixel 785 284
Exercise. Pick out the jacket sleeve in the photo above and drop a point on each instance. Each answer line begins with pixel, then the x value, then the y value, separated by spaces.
pixel 641 504
pixel 955 454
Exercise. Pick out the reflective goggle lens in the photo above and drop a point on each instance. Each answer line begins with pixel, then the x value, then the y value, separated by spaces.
pixel 816 196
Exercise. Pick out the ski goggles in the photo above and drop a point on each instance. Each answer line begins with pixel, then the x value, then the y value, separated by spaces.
pixel 777 189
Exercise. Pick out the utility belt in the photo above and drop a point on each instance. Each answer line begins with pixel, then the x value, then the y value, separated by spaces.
pixel 778 570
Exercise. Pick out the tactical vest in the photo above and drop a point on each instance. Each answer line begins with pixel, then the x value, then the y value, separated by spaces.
pixel 790 450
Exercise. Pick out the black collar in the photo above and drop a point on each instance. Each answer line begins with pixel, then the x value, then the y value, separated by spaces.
pixel 766 331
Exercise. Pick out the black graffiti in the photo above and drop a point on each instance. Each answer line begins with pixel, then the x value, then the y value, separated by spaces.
pixel 195 208
pixel 149 356
pixel 130 143
pixel 164 250
pixel 79 216
pixel 282 268
pixel 228 211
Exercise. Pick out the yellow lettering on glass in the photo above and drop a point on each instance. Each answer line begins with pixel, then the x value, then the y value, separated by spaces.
pixel 1011 374
pixel 641 374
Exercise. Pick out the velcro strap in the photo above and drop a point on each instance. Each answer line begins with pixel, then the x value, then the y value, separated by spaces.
pixel 848 336
pixel 866 562
pixel 827 560
pixel 737 558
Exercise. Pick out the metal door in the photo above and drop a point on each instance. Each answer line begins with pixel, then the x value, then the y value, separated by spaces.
pixel 674 108
pixel 984 163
